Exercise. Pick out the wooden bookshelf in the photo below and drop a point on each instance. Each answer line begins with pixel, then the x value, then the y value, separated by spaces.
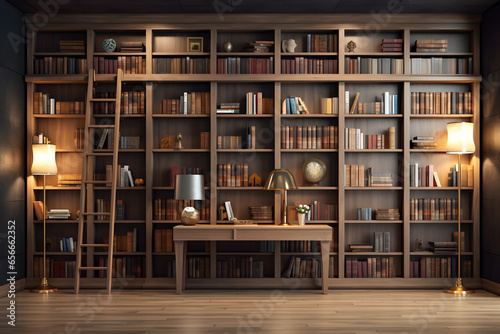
pixel 153 163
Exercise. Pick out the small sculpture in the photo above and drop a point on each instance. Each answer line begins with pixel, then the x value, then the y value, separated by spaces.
pixel 288 45
pixel 227 47
pixel 178 142
pixel 167 142
pixel 351 46
pixel 418 245
pixel 254 180
pixel 109 45
pixel 139 182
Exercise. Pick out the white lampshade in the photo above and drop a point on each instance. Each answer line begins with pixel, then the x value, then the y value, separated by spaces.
pixel 460 138
pixel 44 159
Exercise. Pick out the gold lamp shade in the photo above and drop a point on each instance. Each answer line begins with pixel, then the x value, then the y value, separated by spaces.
pixel 189 187
pixel 460 138
pixel 44 159
pixel 280 179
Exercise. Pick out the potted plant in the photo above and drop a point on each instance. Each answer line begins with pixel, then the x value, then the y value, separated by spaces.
pixel 302 210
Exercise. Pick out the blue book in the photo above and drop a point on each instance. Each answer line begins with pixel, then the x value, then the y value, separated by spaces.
pixel 293 110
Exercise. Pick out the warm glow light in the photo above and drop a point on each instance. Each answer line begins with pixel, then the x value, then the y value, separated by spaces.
pixel 460 138
pixel 44 159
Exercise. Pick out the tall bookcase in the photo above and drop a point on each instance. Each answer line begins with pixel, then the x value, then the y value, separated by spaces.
pixel 166 46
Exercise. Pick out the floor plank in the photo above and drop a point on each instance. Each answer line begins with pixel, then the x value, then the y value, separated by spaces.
pixel 254 311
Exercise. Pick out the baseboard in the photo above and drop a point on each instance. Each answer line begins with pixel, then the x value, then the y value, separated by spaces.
pixel 20 285
pixel 491 286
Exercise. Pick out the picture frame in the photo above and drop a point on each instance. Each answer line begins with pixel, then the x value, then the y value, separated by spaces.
pixel 195 44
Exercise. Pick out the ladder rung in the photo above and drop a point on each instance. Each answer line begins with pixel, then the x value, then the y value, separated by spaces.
pixel 93 268
pixel 101 126
pixel 100 154
pixel 94 245
pixel 97 213
pixel 97 182
pixel 103 99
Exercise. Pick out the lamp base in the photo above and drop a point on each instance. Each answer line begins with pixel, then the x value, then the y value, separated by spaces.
pixel 459 289
pixel 190 216
pixel 284 224
pixel 44 287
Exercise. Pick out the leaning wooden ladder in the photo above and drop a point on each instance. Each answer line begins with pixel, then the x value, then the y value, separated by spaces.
pixel 87 211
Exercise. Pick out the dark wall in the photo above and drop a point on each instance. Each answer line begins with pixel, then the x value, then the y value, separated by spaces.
pixel 490 145
pixel 13 138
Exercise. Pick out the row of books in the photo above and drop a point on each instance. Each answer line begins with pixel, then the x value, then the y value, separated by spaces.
pixel 103 206
pixel 79 139
pixel 262 212
pixel 301 246
pixel 128 64
pixel 330 105
pixel 423 176
pixel 386 104
pixel 236 142
pixel 294 105
pixel 167 270
pixel 133 102
pixel 123 266
pixel 358 176
pixel 256 104
pixel 355 139
pixel 438 65
pixel 72 46
pixel 237 65
pixel 60 65
pixel 130 142
pixel 387 214
pixel 309 137
pixel 186 65
pixel 232 175
pixel 391 45
pixel 126 178
pixel 187 103
pixel 362 65
pixel 302 65
pixel 439 267
pixel 181 170
pixel 426 103
pixel 321 43
pixel 298 267
pixel 163 238
pixel 433 209
pixel 67 245
pixel 73 179
pixel 101 107
pixel 364 214
pixel 372 267
pixel 198 267
pixel 54 269
pixel 204 140
pixel 467 176
pixel 240 267
pixel 318 211
pixel 431 45
pixel 45 104
pixel 171 209
pixel 123 242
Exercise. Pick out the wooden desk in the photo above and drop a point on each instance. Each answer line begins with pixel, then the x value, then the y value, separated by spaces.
pixel 182 233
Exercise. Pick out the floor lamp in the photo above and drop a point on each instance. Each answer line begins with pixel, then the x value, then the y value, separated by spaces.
pixel 460 141
pixel 281 179
pixel 44 163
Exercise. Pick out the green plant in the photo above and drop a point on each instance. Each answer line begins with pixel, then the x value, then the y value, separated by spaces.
pixel 302 208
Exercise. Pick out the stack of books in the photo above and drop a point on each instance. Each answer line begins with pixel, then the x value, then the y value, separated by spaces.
pixel 258 46
pixel 443 247
pixel 69 179
pixel 72 46
pixel 423 142
pixel 431 45
pixel 360 248
pixel 67 244
pixel 387 214
pixel 379 180
pixel 392 45
pixel 131 47
pixel 229 108
pixel 59 214
pixel 264 212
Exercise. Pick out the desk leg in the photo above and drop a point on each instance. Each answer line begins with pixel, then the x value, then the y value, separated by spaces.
pixel 325 254
pixel 179 265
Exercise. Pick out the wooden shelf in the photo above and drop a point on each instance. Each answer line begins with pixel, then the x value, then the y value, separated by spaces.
pixel 373 253
pixel 181 54
pixel 59 116
pixel 244 54
pixel 373 116
pixel 56 188
pixel 373 221
pixel 374 150
pixel 447 116
pixel 374 188
pixel 309 115
pixel 296 150
pixel 309 54
pixel 462 221
pixel 184 150
pixel 314 188
pixel 181 116
pixel 114 54
pixel 222 115
pixel 441 188
pixel 244 150
pixel 426 253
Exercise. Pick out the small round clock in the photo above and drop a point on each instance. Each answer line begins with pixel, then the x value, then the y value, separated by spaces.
pixel 314 170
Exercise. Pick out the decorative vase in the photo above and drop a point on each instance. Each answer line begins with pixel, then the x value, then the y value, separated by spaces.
pixel 109 45
pixel 288 45
pixel 227 47
pixel 302 218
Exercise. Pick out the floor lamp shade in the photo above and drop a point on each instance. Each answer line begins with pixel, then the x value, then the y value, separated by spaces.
pixel 44 159
pixel 460 138
pixel 189 187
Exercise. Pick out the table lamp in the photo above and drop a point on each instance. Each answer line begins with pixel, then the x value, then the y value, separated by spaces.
pixel 189 187
pixel 44 163
pixel 281 179
pixel 460 141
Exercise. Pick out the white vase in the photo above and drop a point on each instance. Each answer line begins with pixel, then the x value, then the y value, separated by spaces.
pixel 302 218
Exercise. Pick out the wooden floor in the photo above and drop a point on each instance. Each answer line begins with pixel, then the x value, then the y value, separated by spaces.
pixel 254 311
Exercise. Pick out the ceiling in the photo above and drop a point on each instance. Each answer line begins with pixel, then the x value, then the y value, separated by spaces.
pixel 255 6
